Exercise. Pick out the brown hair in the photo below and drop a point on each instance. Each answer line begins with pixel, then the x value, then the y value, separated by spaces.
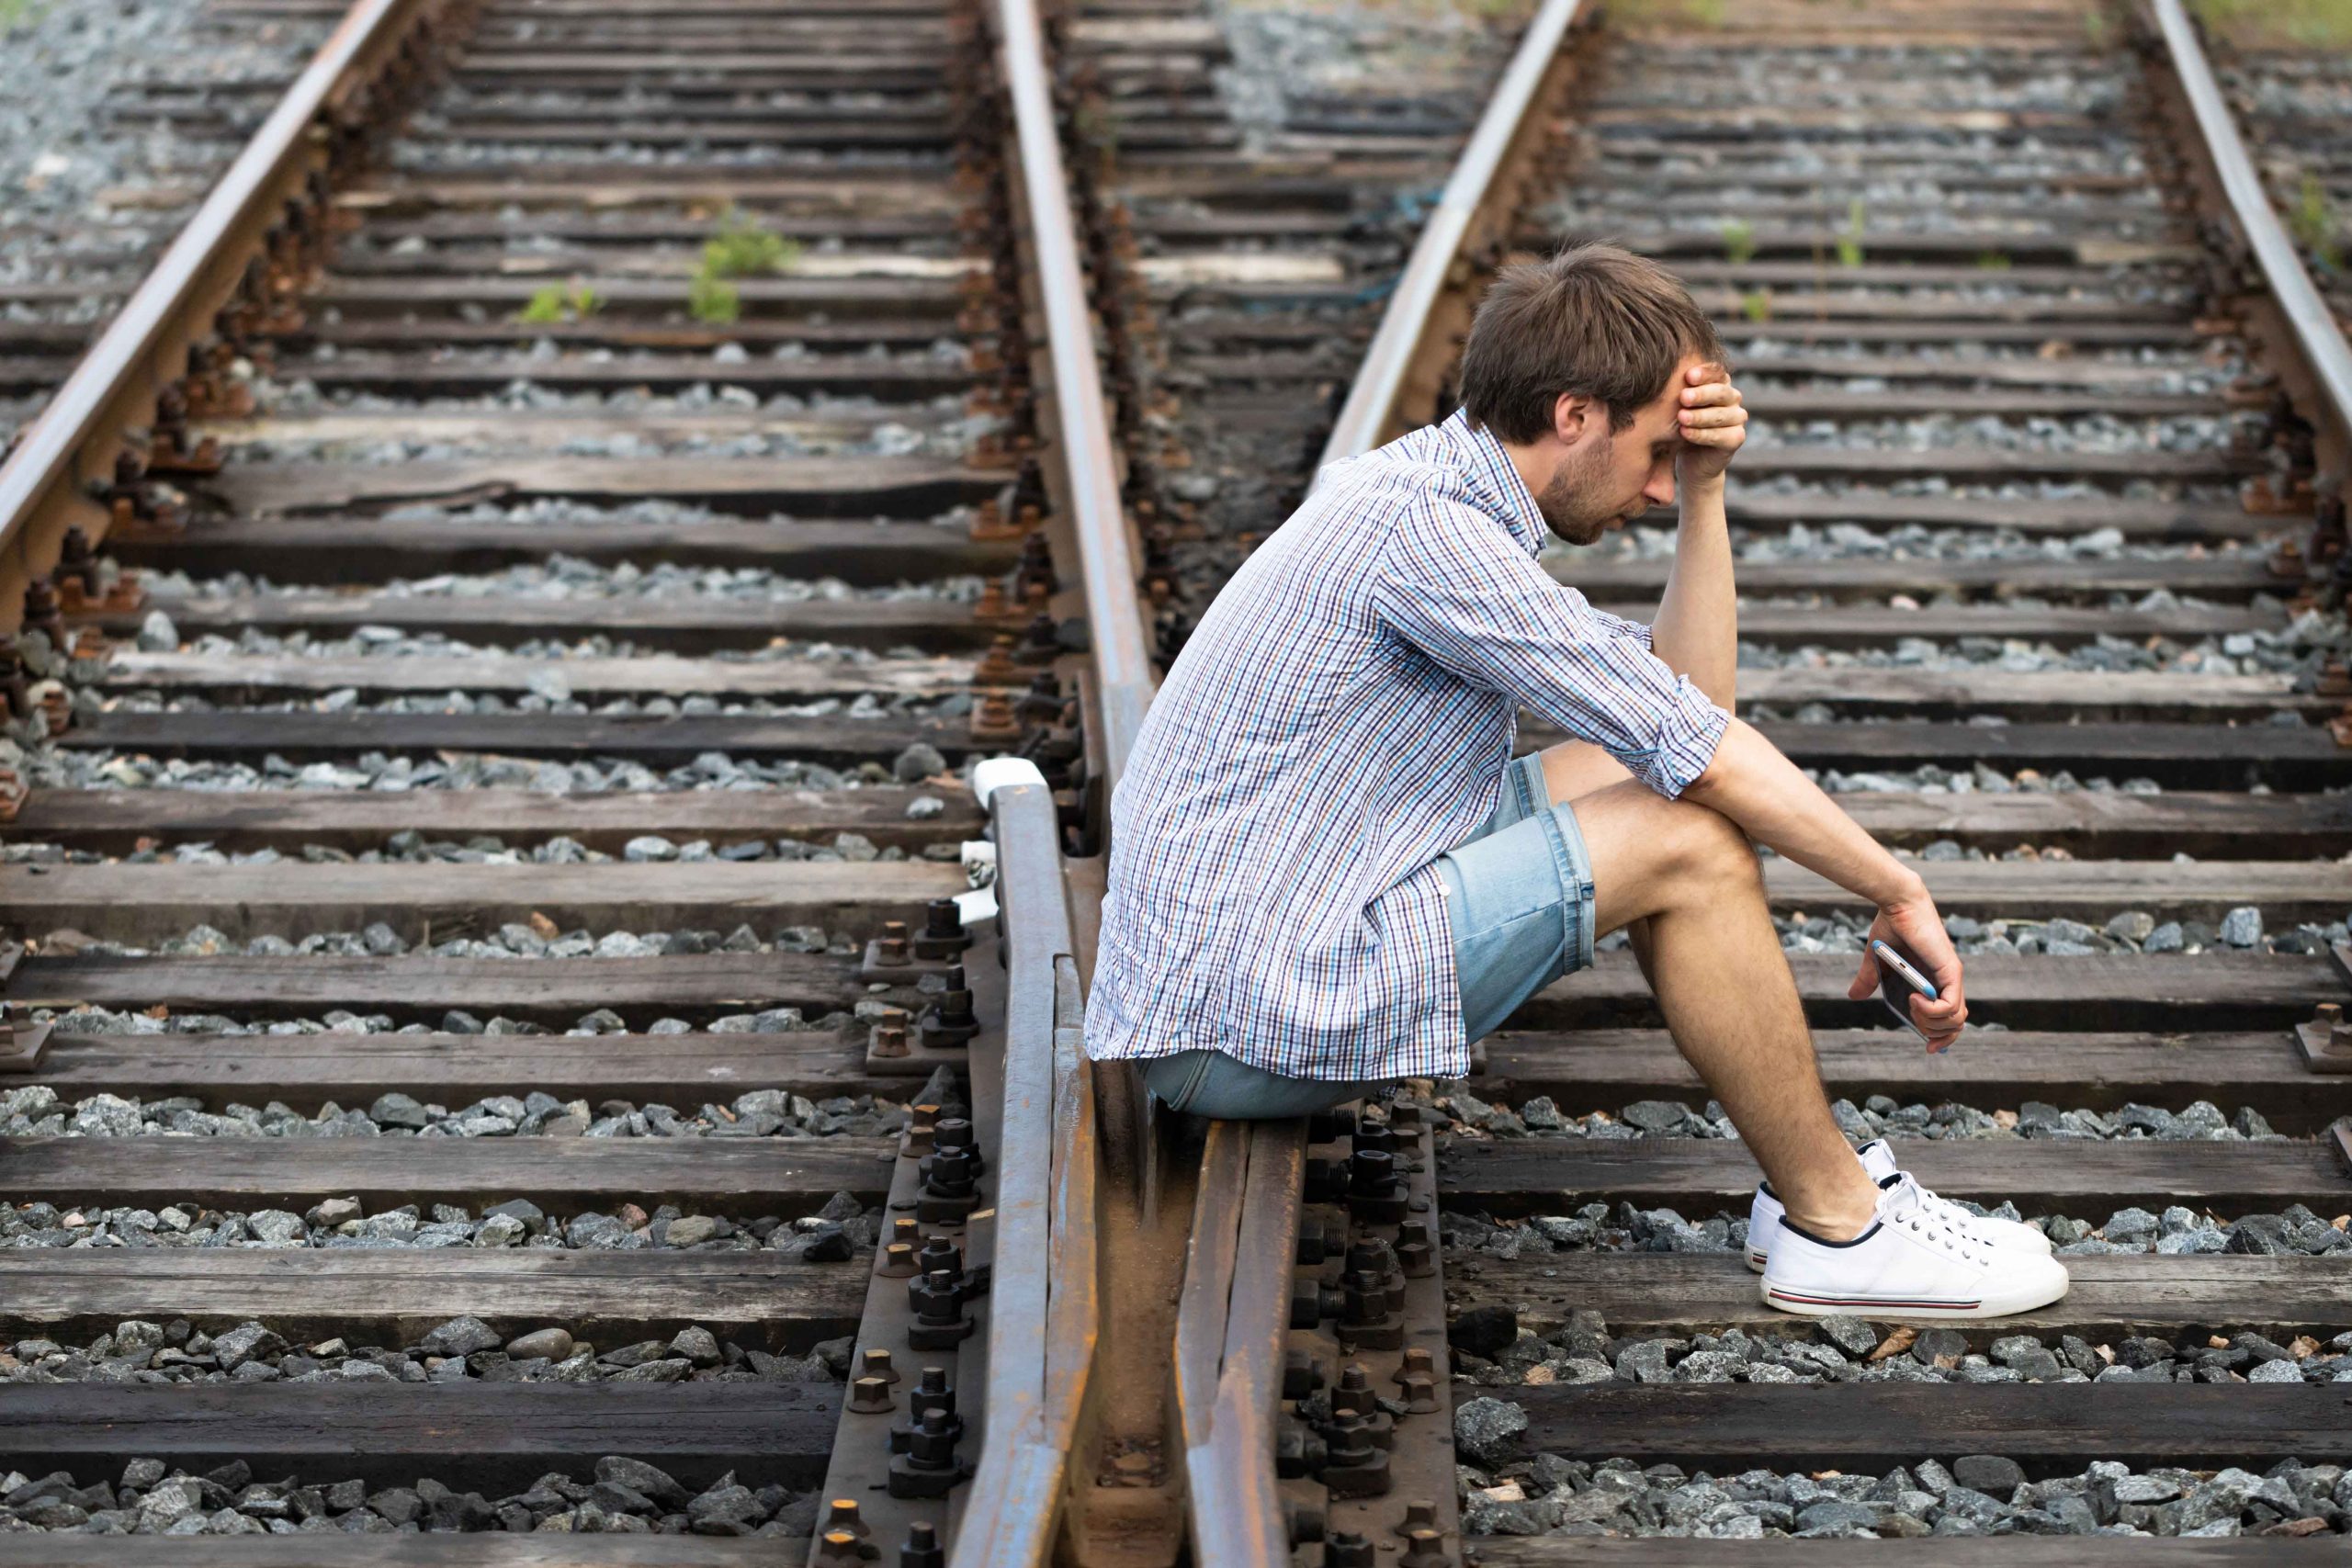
pixel 1594 322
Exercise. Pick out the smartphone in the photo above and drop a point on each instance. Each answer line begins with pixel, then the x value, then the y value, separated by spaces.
pixel 1898 977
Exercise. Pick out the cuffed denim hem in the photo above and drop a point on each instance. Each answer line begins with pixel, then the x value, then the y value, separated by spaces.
pixel 1519 897
pixel 1210 1083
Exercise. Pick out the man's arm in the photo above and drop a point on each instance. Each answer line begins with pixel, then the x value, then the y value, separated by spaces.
pixel 1750 781
pixel 1697 629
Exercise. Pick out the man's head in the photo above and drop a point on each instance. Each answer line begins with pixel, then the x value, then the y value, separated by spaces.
pixel 1575 365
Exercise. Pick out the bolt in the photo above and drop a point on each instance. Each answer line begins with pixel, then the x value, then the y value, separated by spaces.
pixel 877 1364
pixel 996 666
pixel 933 1393
pixel 923 1549
pixel 1423 1549
pixel 841 1514
pixel 1419 1514
pixel 871 1396
pixel 1348 1549
pixel 1371 1170
pixel 890 947
pixel 889 1037
pixel 941 1253
pixel 931 1444
pixel 937 1298
pixel 840 1548
pixel 1415 1258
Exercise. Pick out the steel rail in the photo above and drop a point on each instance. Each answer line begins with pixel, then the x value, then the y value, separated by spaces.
pixel 2319 337
pixel 1230 1336
pixel 1465 219
pixel 1042 1312
pixel 1125 680
pixel 75 442
pixel 1044 1319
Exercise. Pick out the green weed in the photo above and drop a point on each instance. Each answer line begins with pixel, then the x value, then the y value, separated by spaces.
pixel 556 303
pixel 1850 238
pixel 2273 23
pixel 743 249
pixel 2312 222
pixel 713 300
pixel 1739 241
pixel 1992 261
pixel 1757 306
pixel 740 249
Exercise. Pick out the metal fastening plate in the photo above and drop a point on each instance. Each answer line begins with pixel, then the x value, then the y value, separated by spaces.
pixel 863 1456
pixel 1405 1395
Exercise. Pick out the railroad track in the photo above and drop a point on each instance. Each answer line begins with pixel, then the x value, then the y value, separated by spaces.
pixel 671 460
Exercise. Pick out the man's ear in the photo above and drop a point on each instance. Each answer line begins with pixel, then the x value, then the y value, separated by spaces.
pixel 1572 416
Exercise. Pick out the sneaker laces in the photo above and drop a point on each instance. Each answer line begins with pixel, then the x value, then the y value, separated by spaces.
pixel 1920 1211
pixel 1952 1211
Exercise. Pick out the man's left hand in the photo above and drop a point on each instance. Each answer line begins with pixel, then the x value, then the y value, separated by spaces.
pixel 1713 424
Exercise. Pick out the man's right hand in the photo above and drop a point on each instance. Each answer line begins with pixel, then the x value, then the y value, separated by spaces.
pixel 1912 925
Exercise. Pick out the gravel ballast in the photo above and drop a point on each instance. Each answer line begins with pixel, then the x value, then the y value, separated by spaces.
pixel 1976 1495
pixel 460 1350
pixel 623 1496
pixel 36 1110
pixel 2178 1231
pixel 1492 1352
pixel 834 1234
pixel 1877 1117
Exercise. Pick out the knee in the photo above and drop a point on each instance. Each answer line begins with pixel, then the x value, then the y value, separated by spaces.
pixel 1710 849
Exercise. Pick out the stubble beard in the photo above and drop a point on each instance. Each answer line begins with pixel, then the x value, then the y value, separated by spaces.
pixel 1573 502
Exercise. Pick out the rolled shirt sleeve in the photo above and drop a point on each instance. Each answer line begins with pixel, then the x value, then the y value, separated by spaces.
pixel 1456 586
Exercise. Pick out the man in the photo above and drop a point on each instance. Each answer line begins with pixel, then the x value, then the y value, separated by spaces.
pixel 1326 873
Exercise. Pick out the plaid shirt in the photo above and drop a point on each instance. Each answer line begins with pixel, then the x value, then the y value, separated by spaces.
pixel 1341 719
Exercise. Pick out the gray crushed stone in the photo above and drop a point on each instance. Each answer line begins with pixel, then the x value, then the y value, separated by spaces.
pixel 38 1111
pixel 1549 1494
pixel 1852 1349
pixel 570 578
pixel 2176 1232
pixel 836 1233
pixel 624 1496
pixel 410 847
pixel 512 940
pixel 376 771
pixel 460 1350
pixel 1877 1117
pixel 2240 929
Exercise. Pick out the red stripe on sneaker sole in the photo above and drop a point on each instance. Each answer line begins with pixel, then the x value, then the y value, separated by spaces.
pixel 1869 1302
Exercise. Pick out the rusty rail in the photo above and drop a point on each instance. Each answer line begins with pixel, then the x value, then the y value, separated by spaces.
pixel 1043 1307
pixel 1431 304
pixel 1045 1322
pixel 47 483
pixel 2318 337
pixel 1230 1336
pixel 1122 669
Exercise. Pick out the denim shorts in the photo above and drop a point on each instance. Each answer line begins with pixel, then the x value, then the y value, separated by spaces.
pixel 1210 1083
pixel 1519 893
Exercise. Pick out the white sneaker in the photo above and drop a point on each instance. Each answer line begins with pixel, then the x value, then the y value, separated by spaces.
pixel 1913 1262
pixel 1765 1210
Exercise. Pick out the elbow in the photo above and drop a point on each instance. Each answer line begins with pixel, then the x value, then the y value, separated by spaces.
pixel 1708 786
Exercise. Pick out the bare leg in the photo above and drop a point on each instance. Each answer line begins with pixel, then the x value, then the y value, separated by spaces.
pixel 1573 769
pixel 1686 880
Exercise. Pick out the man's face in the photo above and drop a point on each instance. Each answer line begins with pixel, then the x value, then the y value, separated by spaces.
pixel 1605 478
